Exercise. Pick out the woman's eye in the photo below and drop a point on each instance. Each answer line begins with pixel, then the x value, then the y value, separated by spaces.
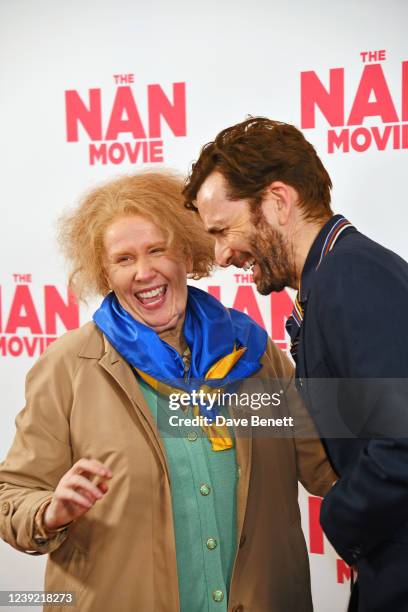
pixel 125 259
pixel 157 250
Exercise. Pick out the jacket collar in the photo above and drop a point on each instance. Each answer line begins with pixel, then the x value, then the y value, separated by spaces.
pixel 316 253
pixel 98 347
pixel 95 345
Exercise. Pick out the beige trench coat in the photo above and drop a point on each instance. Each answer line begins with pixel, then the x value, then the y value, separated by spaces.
pixel 82 400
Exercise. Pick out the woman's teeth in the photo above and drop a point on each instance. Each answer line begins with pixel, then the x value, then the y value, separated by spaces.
pixel 151 294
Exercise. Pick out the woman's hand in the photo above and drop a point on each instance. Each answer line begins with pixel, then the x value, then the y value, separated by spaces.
pixel 76 493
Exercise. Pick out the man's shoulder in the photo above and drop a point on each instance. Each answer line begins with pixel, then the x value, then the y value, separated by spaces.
pixel 357 261
pixel 358 243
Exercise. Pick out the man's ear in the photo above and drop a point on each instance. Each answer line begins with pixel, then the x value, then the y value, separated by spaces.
pixel 278 203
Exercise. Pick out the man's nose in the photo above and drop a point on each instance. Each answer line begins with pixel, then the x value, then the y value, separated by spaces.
pixel 223 254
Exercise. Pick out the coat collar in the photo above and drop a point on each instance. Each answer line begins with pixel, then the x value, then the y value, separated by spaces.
pixel 98 347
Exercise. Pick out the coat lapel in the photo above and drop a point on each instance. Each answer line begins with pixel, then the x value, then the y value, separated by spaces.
pixel 109 359
pixel 243 441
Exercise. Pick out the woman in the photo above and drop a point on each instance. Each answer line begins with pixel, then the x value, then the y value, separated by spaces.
pixel 133 519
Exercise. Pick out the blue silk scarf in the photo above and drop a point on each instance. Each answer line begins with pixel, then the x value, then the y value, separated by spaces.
pixel 210 330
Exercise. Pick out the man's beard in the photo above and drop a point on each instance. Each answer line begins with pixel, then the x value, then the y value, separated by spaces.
pixel 272 256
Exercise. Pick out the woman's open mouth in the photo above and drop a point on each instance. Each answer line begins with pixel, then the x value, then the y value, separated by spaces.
pixel 153 297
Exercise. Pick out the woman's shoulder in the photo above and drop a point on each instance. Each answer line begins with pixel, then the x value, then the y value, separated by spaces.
pixel 276 360
pixel 78 338
pixel 84 341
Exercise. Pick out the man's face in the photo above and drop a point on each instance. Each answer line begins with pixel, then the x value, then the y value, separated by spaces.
pixel 242 239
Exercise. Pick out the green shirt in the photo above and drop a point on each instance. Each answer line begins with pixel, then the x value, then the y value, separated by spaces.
pixel 203 488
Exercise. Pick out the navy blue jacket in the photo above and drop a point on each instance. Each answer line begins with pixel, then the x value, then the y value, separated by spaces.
pixel 352 370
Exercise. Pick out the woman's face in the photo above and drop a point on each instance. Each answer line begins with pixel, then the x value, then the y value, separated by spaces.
pixel 148 282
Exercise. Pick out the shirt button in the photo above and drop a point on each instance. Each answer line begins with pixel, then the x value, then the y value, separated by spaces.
pixel 239 471
pixel 192 436
pixel 5 507
pixel 238 608
pixel 211 544
pixel 205 489
pixel 218 595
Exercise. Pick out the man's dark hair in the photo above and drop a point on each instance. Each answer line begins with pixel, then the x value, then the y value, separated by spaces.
pixel 252 154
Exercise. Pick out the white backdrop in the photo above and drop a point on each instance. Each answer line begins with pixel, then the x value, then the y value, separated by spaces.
pixel 229 59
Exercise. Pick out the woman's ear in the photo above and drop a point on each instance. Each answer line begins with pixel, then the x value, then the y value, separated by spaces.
pixel 189 265
pixel 106 279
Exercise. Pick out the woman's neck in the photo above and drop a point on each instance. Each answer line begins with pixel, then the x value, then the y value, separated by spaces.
pixel 175 337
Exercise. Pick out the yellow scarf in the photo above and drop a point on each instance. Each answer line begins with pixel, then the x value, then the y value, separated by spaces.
pixel 217 434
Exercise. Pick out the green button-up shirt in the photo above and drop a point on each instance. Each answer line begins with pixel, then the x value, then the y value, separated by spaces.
pixel 203 487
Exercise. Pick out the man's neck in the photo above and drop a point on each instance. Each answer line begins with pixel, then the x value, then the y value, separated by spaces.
pixel 301 239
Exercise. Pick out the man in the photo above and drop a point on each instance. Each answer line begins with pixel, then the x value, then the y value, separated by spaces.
pixel 264 194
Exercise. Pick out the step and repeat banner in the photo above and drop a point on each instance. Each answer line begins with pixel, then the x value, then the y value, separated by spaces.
pixel 91 90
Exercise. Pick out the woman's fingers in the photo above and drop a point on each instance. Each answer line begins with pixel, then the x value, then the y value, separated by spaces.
pixel 103 486
pixel 72 496
pixel 91 467
pixel 77 491
pixel 76 481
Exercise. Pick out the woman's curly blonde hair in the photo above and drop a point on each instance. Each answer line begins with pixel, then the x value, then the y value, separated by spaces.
pixel 153 195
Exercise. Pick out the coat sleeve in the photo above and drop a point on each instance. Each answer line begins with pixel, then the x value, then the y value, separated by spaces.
pixel 313 468
pixel 362 320
pixel 39 456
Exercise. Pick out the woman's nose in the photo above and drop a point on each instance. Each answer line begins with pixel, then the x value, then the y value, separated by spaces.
pixel 144 270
